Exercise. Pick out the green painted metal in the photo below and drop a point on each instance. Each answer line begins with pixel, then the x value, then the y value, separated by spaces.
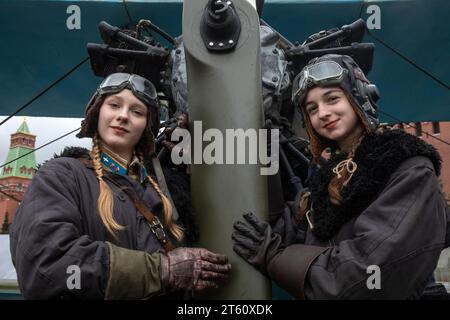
pixel 37 48
pixel 225 93
pixel 23 128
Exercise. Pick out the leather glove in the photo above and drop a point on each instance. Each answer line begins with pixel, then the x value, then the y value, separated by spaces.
pixel 287 266
pixel 192 268
pixel 255 242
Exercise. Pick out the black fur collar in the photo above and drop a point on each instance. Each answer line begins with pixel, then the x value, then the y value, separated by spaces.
pixel 74 152
pixel 377 157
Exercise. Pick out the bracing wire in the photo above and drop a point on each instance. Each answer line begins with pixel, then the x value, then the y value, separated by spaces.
pixel 40 147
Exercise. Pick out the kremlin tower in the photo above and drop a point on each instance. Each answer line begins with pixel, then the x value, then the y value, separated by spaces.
pixel 16 175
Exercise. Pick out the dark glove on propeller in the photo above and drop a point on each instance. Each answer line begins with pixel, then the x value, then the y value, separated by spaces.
pixel 255 242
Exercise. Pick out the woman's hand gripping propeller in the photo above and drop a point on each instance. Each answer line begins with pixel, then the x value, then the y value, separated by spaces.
pixel 255 242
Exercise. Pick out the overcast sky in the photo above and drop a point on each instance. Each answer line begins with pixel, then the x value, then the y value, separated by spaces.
pixel 46 129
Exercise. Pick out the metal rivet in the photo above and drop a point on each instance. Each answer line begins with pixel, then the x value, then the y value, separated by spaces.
pixel 275 51
pixel 230 41
pixel 275 79
pixel 220 44
pixel 211 44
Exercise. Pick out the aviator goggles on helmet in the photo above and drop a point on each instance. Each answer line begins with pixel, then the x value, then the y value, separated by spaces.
pixel 141 87
pixel 324 73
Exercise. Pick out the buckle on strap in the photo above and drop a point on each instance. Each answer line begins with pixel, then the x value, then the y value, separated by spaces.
pixel 158 230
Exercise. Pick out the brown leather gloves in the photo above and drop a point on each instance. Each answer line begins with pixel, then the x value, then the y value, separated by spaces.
pixel 137 274
pixel 192 268
pixel 255 242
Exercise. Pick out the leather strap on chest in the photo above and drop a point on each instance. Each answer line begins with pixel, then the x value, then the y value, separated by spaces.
pixel 155 224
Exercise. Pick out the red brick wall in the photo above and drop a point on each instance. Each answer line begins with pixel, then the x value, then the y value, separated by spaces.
pixel 11 205
pixel 443 148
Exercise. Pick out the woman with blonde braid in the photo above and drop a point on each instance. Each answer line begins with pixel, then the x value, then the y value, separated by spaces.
pixel 374 225
pixel 98 226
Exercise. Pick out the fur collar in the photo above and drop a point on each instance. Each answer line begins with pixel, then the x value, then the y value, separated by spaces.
pixel 74 152
pixel 377 157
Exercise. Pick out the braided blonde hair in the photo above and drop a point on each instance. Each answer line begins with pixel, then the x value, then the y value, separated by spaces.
pixel 106 198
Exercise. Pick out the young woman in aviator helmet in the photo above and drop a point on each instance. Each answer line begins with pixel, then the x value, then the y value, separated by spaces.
pixel 375 206
pixel 104 215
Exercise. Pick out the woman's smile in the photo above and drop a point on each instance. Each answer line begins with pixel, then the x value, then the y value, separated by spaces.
pixel 331 125
pixel 119 130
